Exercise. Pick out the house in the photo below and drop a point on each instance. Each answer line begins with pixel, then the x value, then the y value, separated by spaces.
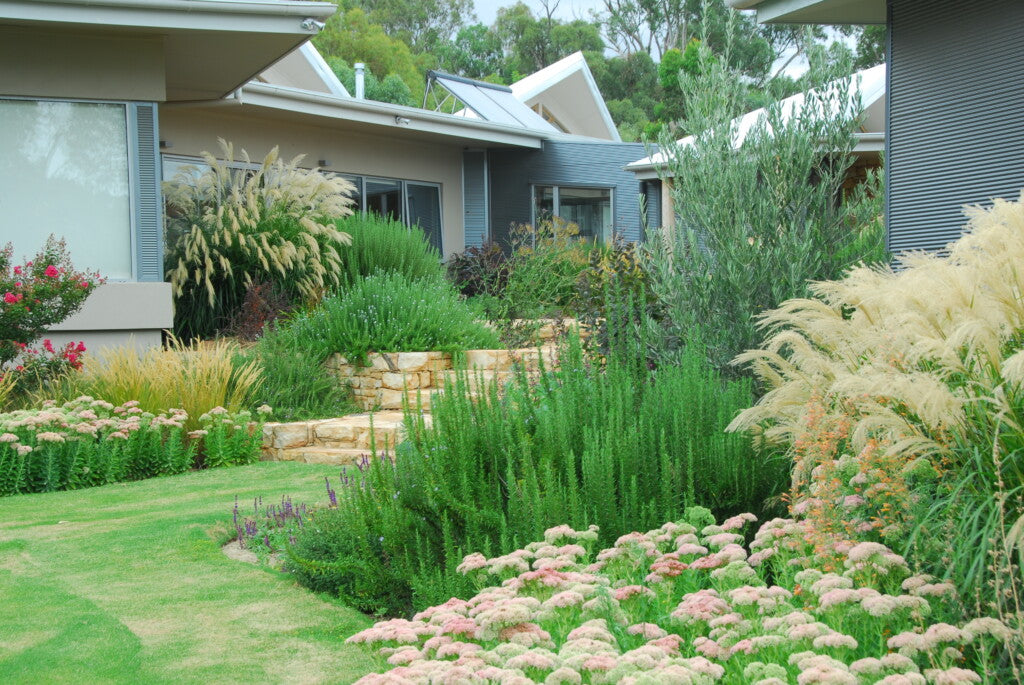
pixel 102 99
pixel 868 85
pixel 955 116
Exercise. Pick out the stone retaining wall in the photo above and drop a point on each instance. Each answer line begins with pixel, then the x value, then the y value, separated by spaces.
pixel 388 378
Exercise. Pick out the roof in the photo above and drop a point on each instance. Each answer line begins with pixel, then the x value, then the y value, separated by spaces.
pixel 489 101
pixel 210 47
pixel 815 11
pixel 382 118
pixel 567 93
pixel 870 85
pixel 304 68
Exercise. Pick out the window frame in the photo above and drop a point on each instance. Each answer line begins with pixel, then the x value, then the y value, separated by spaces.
pixel 132 171
pixel 556 201
pixel 358 180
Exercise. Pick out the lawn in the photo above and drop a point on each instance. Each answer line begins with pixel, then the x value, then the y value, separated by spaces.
pixel 127 583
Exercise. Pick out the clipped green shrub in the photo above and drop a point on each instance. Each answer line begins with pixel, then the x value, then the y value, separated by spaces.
pixel 622 447
pixel 382 244
pixel 388 312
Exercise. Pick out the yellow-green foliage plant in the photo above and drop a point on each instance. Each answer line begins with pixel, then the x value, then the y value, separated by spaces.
pixel 899 394
pixel 229 228
pixel 196 377
pixel 7 383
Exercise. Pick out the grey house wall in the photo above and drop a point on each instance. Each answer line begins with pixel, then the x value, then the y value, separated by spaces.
pixel 956 114
pixel 567 163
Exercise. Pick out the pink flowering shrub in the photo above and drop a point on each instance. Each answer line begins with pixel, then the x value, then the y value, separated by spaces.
pixel 38 294
pixel 89 442
pixel 685 605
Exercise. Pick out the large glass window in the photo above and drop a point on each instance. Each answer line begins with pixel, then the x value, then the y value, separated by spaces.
pixel 64 171
pixel 385 198
pixel 588 208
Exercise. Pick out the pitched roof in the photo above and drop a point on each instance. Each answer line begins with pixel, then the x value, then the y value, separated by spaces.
pixel 567 93
pixel 869 84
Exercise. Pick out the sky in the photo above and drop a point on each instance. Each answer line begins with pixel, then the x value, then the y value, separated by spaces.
pixel 486 10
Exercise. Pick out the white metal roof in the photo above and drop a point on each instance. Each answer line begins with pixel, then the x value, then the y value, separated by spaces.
pixel 869 83
pixel 567 90
pixel 304 68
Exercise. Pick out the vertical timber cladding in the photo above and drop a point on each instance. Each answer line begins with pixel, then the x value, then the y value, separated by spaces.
pixel 564 163
pixel 956 114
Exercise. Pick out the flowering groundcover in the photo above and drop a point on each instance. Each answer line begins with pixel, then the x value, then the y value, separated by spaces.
pixel 89 442
pixel 689 603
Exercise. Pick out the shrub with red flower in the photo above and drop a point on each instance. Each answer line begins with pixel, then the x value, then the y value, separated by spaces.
pixel 37 295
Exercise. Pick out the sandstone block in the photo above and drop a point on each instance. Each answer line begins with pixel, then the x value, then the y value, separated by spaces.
pixel 398 381
pixel 289 435
pixel 412 361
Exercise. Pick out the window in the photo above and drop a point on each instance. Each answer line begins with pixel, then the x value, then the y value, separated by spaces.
pixel 588 208
pixel 65 171
pixel 413 203
pixel 385 198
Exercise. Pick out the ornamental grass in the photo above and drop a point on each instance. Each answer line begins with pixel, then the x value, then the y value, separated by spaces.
pixel 899 397
pixel 195 377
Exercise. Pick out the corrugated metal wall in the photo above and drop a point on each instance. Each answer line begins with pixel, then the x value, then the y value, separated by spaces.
pixel 474 196
pixel 956 114
pixel 147 204
pixel 570 163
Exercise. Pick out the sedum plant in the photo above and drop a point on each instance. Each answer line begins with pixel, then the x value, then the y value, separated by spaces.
pixel 689 602
pixel 230 228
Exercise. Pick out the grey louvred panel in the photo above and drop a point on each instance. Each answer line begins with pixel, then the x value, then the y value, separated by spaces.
pixel 956 115
pixel 652 195
pixel 148 219
pixel 474 185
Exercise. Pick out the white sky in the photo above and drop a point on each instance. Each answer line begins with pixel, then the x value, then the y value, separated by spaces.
pixel 487 10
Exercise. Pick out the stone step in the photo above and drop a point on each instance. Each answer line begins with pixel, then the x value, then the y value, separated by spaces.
pixel 324 455
pixel 355 431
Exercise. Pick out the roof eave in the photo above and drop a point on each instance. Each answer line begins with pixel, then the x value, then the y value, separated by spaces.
pixel 388 116
pixel 815 11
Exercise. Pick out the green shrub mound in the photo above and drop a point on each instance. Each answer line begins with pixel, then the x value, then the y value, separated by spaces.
pixel 388 312
pixel 382 244
pixel 621 447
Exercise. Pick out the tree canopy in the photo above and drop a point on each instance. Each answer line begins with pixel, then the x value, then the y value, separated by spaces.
pixel 636 49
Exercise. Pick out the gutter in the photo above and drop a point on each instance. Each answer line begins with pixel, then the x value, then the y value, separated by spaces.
pixel 235 99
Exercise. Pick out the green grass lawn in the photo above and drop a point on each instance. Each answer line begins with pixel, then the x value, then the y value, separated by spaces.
pixel 127 583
